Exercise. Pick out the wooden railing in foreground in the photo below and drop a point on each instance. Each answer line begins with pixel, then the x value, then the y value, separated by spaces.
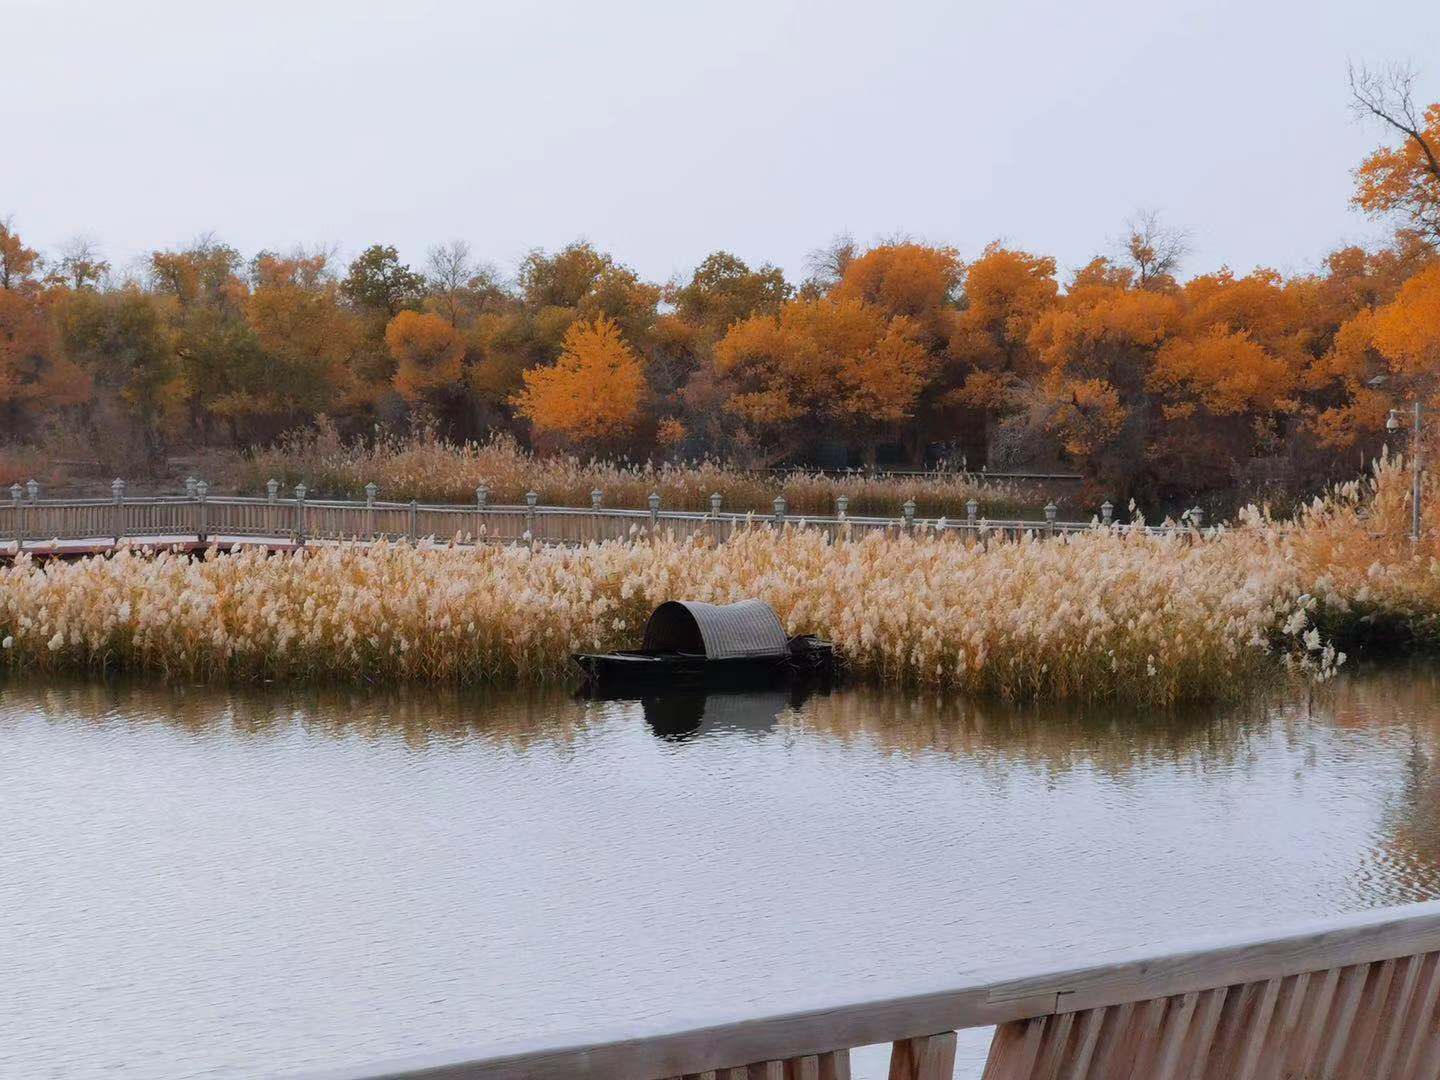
pixel 1350 999
pixel 27 518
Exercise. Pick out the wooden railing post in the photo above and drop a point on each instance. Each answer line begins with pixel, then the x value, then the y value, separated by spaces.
pixel 202 493
pixel 931 1057
pixel 32 489
pixel 117 496
pixel 16 493
pixel 299 532
pixel 272 497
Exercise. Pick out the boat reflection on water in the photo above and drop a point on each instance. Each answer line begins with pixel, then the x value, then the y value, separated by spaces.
pixel 680 716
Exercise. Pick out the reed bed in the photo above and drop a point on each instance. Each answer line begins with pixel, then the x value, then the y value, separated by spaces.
pixel 425 467
pixel 1109 615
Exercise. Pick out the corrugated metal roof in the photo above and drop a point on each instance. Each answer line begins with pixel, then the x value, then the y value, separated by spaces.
pixel 722 631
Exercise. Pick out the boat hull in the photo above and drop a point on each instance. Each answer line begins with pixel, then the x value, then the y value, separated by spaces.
pixel 653 669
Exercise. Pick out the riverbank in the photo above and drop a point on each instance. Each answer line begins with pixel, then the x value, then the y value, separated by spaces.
pixel 1102 616
pixel 424 467
pixel 1112 614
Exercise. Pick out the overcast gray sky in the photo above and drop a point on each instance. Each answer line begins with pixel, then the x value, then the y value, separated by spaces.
pixel 662 131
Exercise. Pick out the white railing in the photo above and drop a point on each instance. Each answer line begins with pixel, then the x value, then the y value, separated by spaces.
pixel 1349 999
pixel 30 520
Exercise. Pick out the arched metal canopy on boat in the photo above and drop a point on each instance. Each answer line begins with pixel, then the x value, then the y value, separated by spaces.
pixel 719 631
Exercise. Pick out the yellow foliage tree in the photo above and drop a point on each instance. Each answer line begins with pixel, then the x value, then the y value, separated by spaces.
pixel 592 393
pixel 841 363
pixel 428 352
pixel 1407 330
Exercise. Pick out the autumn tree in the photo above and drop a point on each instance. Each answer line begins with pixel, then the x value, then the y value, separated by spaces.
pixel 81 265
pixel 724 290
pixel 17 262
pixel 822 365
pixel 377 281
pixel 308 341
pixel 122 341
pixel 35 374
pixel 592 394
pixel 428 351
pixel 1154 250
pixel 988 351
pixel 1402 179
pixel 457 287
pixel 208 271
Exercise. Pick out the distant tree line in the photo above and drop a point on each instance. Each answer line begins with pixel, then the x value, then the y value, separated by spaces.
pixel 1152 385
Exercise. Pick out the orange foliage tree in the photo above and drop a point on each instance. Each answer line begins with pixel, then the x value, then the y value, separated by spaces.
pixel 428 351
pixel 839 364
pixel 592 394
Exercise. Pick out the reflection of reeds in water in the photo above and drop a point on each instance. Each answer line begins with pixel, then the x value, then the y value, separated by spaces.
pixel 1058 737
pixel 422 717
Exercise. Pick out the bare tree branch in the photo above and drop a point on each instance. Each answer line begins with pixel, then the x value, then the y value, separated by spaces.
pixel 1388 94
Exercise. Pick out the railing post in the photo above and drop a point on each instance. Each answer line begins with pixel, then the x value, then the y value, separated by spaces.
pixel 16 492
pixel 1050 511
pixel 780 508
pixel 715 502
pixel 908 510
pixel 596 528
pixel 413 524
pixel 1107 512
pixel 482 496
pixel 272 495
pixel 371 490
pixel 117 496
pixel 531 498
pixel 654 501
pixel 299 531
pixel 931 1057
pixel 32 489
pixel 202 493
pixel 190 487
pixel 842 506
pixel 1197 518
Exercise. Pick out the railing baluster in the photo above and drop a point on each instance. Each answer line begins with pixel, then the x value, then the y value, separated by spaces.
pixel 930 1057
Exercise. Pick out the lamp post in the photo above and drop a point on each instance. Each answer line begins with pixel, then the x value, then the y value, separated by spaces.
pixel 1392 424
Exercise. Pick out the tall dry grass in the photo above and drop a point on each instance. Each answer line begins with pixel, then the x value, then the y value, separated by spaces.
pixel 425 467
pixel 1106 615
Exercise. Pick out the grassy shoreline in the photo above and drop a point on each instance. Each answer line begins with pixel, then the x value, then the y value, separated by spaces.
pixel 1109 615
pixel 424 467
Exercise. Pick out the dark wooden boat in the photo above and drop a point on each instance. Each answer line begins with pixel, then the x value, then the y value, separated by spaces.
pixel 689 644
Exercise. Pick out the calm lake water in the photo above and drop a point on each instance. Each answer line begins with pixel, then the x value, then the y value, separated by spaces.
pixel 270 882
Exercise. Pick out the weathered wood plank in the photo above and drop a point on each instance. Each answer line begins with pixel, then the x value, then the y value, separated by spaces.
pixel 1417 1022
pixel 1407 984
pixel 930 1057
pixel 1177 1027
pixel 1257 1026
